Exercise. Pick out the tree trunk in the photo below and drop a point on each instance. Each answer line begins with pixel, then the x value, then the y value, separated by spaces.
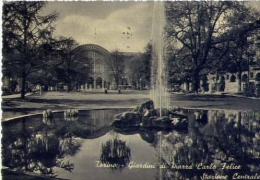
pixel 187 86
pixel 239 81
pixel 239 66
pixel 196 81
pixel 117 81
pixel 68 87
pixel 23 86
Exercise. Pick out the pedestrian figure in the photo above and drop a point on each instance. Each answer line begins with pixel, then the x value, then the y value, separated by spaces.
pixel 105 90
pixel 119 91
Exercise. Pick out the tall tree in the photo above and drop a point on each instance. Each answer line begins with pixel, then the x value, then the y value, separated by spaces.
pixel 115 66
pixel 73 66
pixel 178 67
pixel 25 36
pixel 133 69
pixel 241 40
pixel 195 27
pixel 138 67
pixel 146 64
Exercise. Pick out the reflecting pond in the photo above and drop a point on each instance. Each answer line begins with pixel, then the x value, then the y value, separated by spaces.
pixel 224 146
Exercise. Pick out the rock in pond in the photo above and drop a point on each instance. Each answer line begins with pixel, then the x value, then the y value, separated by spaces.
pixel 146 115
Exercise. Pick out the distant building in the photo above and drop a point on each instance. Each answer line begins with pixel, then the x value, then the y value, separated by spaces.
pixel 228 82
pixel 100 76
pixel 98 56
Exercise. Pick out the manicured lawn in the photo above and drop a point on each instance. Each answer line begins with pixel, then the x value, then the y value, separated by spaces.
pixel 36 103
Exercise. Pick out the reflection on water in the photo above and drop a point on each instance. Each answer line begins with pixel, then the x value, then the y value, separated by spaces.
pixel 37 144
pixel 115 154
pixel 226 144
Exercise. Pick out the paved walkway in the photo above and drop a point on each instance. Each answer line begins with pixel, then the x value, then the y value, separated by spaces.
pixel 62 100
pixel 56 101
pixel 15 96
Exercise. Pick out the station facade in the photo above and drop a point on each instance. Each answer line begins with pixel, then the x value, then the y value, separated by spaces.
pixel 90 54
pixel 99 76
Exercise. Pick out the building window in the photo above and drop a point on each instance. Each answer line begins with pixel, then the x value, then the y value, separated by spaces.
pixel 251 75
pixel 233 78
pixel 227 76
pixel 98 68
pixel 244 78
pixel 257 77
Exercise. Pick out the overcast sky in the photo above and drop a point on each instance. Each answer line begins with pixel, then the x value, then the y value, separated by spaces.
pixel 107 23
pixel 126 26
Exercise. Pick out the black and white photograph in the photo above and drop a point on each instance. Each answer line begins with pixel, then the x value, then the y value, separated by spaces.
pixel 130 90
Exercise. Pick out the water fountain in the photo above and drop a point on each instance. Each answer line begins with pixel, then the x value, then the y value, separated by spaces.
pixel 158 76
pixel 154 113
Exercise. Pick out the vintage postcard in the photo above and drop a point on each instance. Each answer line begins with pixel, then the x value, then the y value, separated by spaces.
pixel 133 90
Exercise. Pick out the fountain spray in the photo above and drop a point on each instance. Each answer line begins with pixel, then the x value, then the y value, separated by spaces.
pixel 158 77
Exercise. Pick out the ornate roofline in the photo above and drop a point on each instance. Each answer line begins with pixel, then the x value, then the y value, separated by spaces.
pixel 92 47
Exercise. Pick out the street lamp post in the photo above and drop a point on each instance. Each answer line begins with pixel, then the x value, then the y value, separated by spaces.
pixel 248 61
pixel 94 70
pixel 140 84
pixel 248 72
